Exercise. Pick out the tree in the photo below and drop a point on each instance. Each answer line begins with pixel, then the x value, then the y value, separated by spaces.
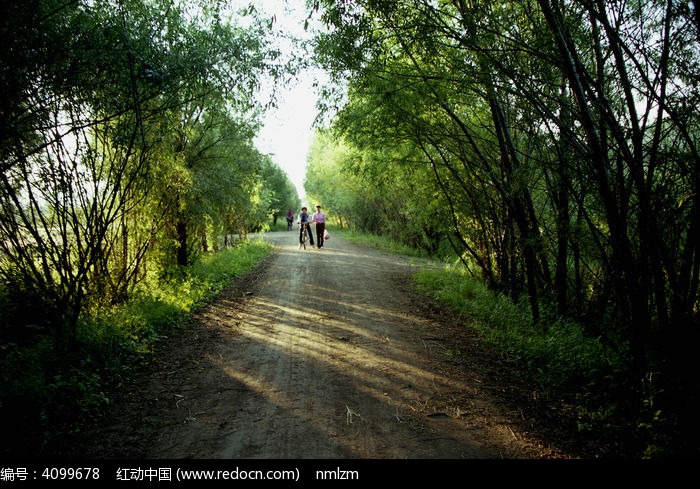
pixel 92 131
pixel 283 193
pixel 560 135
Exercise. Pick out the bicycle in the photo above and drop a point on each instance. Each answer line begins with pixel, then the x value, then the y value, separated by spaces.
pixel 289 223
pixel 304 234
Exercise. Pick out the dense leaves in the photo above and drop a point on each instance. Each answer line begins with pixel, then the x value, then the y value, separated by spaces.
pixel 560 143
pixel 126 145
pixel 550 146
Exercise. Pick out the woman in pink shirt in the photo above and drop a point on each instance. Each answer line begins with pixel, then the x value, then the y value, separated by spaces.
pixel 320 219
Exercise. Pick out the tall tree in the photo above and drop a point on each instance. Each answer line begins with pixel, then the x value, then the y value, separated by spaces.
pixel 87 130
pixel 560 133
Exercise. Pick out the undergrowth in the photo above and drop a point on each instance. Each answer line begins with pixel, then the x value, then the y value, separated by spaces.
pixel 556 352
pixel 554 355
pixel 46 397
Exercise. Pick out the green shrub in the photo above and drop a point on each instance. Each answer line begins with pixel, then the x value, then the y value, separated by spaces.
pixel 51 395
pixel 555 353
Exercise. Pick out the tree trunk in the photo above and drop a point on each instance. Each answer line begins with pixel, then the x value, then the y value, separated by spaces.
pixel 182 255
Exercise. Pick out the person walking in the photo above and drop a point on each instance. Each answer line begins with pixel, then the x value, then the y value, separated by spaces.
pixel 320 219
pixel 305 220
pixel 290 219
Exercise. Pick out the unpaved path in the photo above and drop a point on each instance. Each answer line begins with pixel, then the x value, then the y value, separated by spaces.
pixel 322 354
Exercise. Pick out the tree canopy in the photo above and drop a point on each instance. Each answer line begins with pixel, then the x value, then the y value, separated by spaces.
pixel 126 136
pixel 549 147
pixel 552 144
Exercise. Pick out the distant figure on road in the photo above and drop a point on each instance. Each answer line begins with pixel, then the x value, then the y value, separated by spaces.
pixel 290 219
pixel 320 219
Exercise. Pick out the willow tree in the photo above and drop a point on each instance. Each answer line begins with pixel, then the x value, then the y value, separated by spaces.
pixel 72 151
pixel 326 182
pixel 433 92
pixel 92 91
pixel 564 137
pixel 631 96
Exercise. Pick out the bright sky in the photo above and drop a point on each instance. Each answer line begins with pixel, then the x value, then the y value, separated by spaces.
pixel 286 135
pixel 287 132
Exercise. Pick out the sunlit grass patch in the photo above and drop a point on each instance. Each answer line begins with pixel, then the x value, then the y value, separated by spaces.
pixel 555 352
pixel 158 308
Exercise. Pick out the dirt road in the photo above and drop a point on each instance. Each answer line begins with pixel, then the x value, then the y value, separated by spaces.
pixel 321 354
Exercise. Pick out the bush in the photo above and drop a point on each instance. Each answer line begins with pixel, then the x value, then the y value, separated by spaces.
pixel 45 396
pixel 556 354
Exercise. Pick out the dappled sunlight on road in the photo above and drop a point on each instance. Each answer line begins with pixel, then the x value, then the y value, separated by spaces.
pixel 326 340
pixel 381 356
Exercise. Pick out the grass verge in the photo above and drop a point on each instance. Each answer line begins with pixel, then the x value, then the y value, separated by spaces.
pixel 47 398
pixel 556 357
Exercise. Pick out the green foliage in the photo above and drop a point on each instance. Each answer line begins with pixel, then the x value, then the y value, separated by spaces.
pixel 163 305
pixel 22 372
pixel 384 191
pixel 215 271
pixel 556 354
pixel 554 148
pixel 136 147
pixel 381 242
pixel 54 392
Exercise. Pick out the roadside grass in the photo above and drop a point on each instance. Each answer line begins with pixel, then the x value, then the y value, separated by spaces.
pixel 578 372
pixel 164 304
pixel 556 353
pixel 379 242
pixel 52 396
pixel 281 225
pixel 555 356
